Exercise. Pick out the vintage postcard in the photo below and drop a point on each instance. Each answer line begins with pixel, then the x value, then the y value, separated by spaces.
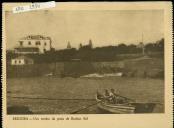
pixel 91 64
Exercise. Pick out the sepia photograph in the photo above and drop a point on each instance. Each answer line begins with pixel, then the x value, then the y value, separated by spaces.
pixel 85 62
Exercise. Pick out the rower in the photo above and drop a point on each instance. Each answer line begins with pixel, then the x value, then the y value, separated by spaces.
pixel 99 95
pixel 117 98
pixel 113 96
pixel 106 95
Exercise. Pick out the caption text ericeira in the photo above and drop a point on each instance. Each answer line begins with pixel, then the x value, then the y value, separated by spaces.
pixel 51 118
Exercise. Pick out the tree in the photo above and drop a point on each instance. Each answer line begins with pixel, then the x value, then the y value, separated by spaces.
pixel 122 48
pixel 161 45
pixel 80 46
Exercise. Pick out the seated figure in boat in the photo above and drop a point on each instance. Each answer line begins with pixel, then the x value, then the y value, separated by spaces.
pixel 106 93
pixel 115 98
pixel 107 96
pixel 111 97
pixel 99 95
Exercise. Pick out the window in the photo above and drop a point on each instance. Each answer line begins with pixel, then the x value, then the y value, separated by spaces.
pixel 21 43
pixel 37 43
pixel 19 61
pixel 29 42
pixel 45 43
pixel 15 61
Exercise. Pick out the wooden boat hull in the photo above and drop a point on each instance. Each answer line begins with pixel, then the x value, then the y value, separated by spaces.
pixel 116 108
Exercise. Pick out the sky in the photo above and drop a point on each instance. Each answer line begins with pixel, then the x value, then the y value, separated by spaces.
pixel 103 27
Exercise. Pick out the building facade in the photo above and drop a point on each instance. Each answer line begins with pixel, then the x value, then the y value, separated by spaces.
pixel 33 44
pixel 22 60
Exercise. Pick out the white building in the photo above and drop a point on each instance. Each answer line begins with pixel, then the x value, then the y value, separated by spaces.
pixel 33 44
pixel 22 60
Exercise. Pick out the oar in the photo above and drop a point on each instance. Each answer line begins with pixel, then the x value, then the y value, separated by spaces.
pixel 85 108
pixel 134 101
pixel 125 97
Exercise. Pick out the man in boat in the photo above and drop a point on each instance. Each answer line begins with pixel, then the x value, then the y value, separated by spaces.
pixel 113 96
pixel 107 95
pixel 116 99
pixel 99 95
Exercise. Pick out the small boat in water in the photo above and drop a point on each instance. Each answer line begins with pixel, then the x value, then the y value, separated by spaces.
pixel 124 108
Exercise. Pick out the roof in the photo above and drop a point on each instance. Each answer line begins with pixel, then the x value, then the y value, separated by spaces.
pixel 27 49
pixel 36 37
pixel 23 57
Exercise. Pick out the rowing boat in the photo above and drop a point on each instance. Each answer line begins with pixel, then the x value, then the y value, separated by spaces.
pixel 124 108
